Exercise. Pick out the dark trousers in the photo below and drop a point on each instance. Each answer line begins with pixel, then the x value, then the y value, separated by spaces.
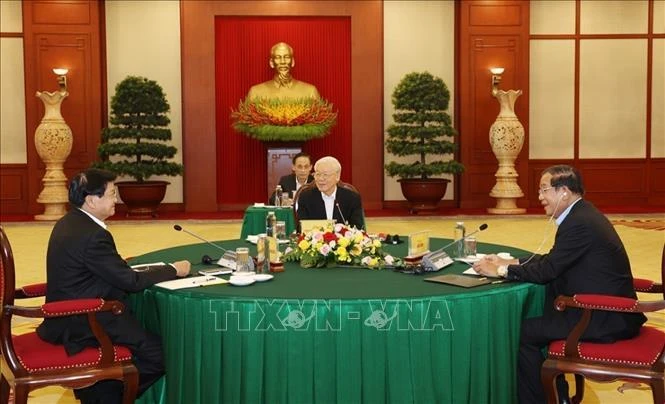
pixel 537 333
pixel 148 358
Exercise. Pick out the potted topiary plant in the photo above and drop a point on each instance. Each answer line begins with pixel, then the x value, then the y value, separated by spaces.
pixel 139 128
pixel 422 128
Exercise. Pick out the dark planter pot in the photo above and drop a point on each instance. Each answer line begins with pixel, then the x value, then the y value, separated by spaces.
pixel 142 198
pixel 423 194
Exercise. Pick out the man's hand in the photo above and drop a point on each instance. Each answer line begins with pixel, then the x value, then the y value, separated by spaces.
pixel 486 267
pixel 182 268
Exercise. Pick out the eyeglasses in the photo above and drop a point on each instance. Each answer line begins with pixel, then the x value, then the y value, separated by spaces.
pixel 543 190
pixel 323 175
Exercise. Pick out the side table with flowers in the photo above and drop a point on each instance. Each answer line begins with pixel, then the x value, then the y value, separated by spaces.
pixel 338 244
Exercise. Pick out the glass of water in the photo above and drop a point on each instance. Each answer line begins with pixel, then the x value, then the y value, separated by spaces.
pixel 242 262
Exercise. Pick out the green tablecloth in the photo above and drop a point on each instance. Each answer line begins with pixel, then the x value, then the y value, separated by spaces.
pixel 341 335
pixel 254 221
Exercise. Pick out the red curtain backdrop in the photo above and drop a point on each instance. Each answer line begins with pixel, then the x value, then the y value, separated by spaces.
pixel 322 53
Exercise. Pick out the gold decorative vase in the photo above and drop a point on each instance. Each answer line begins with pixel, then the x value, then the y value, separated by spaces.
pixel 506 139
pixel 53 141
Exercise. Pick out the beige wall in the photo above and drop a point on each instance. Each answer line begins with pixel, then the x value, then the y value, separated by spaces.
pixel 12 92
pixel 143 39
pixel 612 81
pixel 418 36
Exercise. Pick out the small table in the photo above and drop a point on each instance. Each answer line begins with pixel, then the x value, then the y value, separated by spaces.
pixel 254 221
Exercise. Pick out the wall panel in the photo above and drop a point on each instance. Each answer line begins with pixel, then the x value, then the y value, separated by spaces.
pixel 490 34
pixel 63 34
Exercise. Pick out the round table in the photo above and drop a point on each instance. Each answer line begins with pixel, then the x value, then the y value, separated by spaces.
pixel 341 335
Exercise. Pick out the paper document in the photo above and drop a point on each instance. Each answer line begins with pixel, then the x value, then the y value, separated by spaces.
pixel 191 282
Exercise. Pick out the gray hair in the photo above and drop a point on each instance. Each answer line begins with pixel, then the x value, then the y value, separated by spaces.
pixel 329 160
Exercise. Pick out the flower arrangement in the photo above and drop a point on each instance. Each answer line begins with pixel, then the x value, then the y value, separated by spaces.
pixel 284 120
pixel 338 244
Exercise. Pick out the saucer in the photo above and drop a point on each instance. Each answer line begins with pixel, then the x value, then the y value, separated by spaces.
pixel 263 277
pixel 241 280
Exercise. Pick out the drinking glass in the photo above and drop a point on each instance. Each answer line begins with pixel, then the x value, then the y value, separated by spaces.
pixel 280 230
pixel 470 245
pixel 242 261
pixel 286 200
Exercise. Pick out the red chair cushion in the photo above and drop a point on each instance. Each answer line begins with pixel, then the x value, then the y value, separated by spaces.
pixel 642 350
pixel 37 355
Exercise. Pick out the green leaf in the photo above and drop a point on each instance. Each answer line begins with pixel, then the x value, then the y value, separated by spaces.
pixel 140 126
pixel 421 128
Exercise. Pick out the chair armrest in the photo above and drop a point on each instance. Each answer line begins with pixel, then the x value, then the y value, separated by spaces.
pixel 608 303
pixel 66 308
pixel 28 291
pixel 589 303
pixel 647 286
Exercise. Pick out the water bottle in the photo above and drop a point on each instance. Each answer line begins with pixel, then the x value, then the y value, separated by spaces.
pixel 278 195
pixel 270 223
pixel 460 233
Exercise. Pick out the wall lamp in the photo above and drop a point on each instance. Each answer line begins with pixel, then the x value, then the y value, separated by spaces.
pixel 496 78
pixel 62 77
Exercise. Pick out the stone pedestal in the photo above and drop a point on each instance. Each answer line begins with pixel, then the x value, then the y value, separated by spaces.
pixel 53 141
pixel 506 139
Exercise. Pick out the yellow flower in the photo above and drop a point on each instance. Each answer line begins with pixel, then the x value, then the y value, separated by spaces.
pixel 376 243
pixel 303 244
pixel 341 252
pixel 358 237
pixel 373 262
pixel 343 242
pixel 356 250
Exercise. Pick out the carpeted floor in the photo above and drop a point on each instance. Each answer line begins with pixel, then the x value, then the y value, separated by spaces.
pixel 642 235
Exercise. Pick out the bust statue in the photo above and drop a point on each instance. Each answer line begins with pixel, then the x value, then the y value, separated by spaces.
pixel 283 85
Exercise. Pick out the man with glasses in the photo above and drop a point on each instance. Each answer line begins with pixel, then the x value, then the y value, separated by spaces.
pixel 329 201
pixel 587 257
pixel 301 175
pixel 82 262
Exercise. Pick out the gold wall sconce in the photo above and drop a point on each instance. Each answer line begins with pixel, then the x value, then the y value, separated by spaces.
pixel 62 77
pixel 496 78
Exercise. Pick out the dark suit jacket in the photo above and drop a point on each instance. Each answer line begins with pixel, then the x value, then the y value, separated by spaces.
pixel 288 184
pixel 311 206
pixel 82 262
pixel 587 257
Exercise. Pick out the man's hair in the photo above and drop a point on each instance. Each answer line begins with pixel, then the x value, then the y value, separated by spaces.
pixel 331 161
pixel 565 175
pixel 301 154
pixel 90 182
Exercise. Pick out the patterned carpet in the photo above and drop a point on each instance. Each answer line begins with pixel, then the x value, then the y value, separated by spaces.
pixel 654 224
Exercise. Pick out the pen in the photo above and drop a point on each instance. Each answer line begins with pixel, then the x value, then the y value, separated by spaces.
pixel 499 281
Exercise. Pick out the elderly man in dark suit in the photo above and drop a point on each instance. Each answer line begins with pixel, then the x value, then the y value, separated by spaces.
pixel 82 262
pixel 302 167
pixel 587 257
pixel 327 200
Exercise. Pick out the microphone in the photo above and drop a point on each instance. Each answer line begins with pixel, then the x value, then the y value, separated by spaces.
pixel 177 227
pixel 340 213
pixel 228 260
pixel 438 259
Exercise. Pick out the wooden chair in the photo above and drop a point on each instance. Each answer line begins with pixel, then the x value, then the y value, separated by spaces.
pixel 310 186
pixel 29 363
pixel 638 360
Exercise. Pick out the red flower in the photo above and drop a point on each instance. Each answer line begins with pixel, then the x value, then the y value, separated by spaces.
pixel 328 237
